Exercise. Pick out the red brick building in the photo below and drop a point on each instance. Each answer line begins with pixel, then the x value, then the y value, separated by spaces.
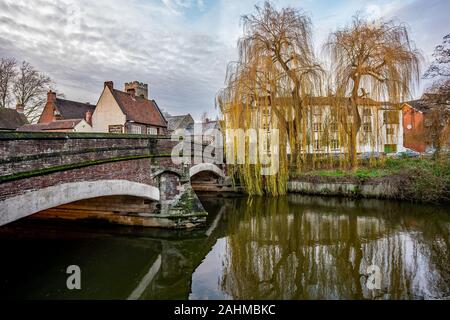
pixel 61 109
pixel 414 118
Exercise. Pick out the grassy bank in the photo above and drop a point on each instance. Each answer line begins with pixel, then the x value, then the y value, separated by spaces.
pixel 416 179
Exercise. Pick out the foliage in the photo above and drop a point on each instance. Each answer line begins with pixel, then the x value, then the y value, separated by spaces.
pixel 437 98
pixel 267 87
pixel 372 59
pixel 277 83
pixel 416 179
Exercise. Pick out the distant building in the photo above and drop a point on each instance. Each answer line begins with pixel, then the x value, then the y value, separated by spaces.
pixel 61 109
pixel 179 122
pixel 11 119
pixel 414 123
pixel 381 125
pixel 74 125
pixel 128 112
pixel 208 130
pixel 60 115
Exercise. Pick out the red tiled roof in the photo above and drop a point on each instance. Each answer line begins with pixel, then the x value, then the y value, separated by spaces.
pixel 54 125
pixel 139 109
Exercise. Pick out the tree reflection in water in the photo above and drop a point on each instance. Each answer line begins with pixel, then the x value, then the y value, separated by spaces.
pixel 298 247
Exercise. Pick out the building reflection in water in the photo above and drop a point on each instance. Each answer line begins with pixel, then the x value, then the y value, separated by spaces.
pixel 319 248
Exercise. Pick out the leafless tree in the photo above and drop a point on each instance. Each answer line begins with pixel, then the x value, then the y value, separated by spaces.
pixel 7 76
pixel 437 98
pixel 30 88
pixel 440 67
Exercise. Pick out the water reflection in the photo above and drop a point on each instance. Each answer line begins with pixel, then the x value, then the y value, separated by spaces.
pixel 293 247
pixel 313 248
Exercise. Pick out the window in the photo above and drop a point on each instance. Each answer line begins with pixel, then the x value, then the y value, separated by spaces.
pixel 367 127
pixel 334 144
pixel 391 117
pixel 266 112
pixel 317 144
pixel 317 111
pixel 367 112
pixel 135 129
pixel 390 148
pixel 152 131
pixel 390 131
pixel 334 127
pixel 266 126
pixel 365 139
pixel 317 127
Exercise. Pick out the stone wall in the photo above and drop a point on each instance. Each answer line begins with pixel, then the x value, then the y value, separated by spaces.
pixel 382 189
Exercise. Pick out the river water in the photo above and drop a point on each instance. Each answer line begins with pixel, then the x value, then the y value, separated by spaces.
pixel 293 247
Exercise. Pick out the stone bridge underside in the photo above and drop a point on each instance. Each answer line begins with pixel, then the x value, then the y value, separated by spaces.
pixel 125 179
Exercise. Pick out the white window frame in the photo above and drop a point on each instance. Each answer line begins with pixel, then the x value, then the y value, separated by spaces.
pixel 136 129
pixel 152 131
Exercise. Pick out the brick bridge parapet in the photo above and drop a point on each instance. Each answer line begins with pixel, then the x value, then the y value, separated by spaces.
pixel 31 162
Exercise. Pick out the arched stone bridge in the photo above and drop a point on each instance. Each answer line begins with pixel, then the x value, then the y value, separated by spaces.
pixel 126 179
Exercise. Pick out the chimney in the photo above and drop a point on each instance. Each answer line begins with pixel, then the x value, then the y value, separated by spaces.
pixel 109 84
pixel 51 96
pixel 20 108
pixel 56 115
pixel 88 117
pixel 131 91
pixel 140 89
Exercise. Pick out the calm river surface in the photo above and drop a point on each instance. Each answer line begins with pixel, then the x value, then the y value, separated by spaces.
pixel 294 247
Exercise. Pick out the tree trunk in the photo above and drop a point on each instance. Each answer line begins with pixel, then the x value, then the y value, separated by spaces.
pixel 356 124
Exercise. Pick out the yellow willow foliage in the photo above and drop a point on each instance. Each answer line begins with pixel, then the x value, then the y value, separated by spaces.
pixel 265 89
pixel 277 84
pixel 371 59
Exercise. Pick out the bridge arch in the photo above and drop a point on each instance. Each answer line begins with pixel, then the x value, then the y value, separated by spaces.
pixel 35 201
pixel 208 167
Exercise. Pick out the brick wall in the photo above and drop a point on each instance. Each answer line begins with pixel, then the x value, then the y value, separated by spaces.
pixel 29 153
pixel 136 170
pixel 25 152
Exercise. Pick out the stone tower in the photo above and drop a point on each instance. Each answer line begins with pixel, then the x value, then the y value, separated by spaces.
pixel 140 89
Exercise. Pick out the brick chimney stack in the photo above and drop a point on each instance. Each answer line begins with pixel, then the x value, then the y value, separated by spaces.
pixel 109 84
pixel 140 89
pixel 20 108
pixel 131 91
pixel 51 96
pixel 88 117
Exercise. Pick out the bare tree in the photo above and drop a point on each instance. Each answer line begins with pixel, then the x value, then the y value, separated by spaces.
pixel 30 88
pixel 440 67
pixel 437 98
pixel 7 76
pixel 375 60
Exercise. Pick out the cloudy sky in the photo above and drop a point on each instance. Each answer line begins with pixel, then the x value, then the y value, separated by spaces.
pixel 179 47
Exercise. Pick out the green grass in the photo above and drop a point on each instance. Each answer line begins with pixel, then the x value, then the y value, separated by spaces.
pixel 390 166
pixel 417 179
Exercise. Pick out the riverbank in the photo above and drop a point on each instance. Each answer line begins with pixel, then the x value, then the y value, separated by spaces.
pixel 411 179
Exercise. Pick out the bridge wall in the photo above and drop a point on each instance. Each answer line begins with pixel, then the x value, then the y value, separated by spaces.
pixel 31 162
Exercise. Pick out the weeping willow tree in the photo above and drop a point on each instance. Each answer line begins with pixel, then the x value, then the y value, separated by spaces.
pixel 267 88
pixel 373 60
